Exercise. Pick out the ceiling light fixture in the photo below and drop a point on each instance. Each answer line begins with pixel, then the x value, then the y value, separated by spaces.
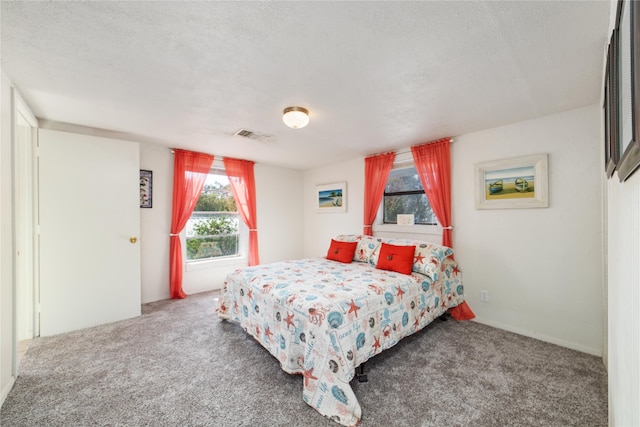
pixel 296 117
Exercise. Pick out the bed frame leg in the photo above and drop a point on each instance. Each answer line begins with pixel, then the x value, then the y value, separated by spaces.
pixel 362 377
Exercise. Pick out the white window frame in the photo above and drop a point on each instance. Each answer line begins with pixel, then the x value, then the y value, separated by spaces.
pixel 224 261
pixel 404 159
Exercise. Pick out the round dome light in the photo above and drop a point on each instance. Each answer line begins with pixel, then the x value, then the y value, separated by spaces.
pixel 296 117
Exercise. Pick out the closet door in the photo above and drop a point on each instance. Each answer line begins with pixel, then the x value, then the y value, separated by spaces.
pixel 89 231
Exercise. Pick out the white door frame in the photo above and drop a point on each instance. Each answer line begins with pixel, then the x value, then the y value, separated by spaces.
pixel 24 236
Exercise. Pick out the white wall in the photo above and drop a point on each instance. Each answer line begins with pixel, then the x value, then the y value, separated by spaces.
pixel 542 267
pixel 624 300
pixel 319 228
pixel 280 218
pixel 155 223
pixel 623 291
pixel 6 246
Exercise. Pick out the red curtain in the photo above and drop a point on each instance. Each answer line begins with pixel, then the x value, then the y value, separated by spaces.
pixel 434 168
pixel 376 173
pixel 433 163
pixel 243 186
pixel 190 171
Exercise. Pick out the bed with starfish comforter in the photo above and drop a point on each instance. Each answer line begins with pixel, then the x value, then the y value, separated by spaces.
pixel 322 318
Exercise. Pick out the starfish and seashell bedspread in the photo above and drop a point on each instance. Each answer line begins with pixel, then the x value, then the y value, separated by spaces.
pixel 322 318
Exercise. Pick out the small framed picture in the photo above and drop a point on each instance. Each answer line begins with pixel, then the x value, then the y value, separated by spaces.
pixel 146 188
pixel 331 197
pixel 516 183
pixel 405 219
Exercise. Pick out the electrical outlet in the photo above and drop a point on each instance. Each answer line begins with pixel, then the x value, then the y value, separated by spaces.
pixel 484 296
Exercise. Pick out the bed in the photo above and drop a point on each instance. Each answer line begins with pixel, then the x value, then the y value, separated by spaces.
pixel 323 318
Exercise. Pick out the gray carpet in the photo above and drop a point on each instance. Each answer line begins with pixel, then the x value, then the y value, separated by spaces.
pixel 178 365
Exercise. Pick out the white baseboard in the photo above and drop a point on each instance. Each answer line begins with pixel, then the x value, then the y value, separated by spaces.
pixel 7 389
pixel 541 337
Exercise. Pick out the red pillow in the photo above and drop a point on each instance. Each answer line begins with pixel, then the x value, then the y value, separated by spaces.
pixel 341 251
pixel 396 258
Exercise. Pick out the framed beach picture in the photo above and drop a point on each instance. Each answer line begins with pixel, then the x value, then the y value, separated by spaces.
pixel 517 183
pixel 146 187
pixel 331 197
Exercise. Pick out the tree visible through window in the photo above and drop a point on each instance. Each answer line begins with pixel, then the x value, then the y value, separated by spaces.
pixel 213 229
pixel 404 194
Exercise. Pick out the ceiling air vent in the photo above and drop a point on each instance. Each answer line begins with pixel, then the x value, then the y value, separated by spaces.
pixel 258 136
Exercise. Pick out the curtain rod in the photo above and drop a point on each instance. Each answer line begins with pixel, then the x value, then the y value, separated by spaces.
pixel 409 149
pixel 218 159
pixel 397 152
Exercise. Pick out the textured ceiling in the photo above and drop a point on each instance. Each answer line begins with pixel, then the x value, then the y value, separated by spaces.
pixel 374 75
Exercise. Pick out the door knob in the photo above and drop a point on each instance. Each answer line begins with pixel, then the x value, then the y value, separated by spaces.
pixel 133 239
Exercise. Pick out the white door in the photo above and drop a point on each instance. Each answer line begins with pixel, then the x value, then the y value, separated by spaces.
pixel 89 231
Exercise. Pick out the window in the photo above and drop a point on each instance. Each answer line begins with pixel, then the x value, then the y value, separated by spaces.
pixel 404 194
pixel 213 231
